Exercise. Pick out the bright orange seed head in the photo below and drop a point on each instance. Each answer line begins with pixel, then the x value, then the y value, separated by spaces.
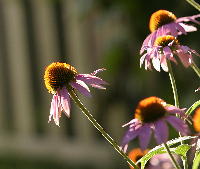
pixel 160 18
pixel 165 40
pixel 58 75
pixel 136 154
pixel 150 110
pixel 196 122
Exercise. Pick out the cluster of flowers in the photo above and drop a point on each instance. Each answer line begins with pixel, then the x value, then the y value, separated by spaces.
pixel 151 113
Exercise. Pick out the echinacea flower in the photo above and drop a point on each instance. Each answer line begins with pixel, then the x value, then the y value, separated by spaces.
pixel 135 154
pixel 164 22
pixel 61 77
pixel 164 48
pixel 196 120
pixel 153 113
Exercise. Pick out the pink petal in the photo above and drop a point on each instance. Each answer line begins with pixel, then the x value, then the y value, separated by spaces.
pixel 142 59
pixel 56 115
pixel 163 63
pixel 188 18
pixel 184 57
pixel 173 30
pixel 130 134
pixel 65 101
pixel 145 135
pixel 167 52
pixel 52 109
pixel 163 30
pixel 188 28
pixel 161 131
pixel 178 124
pixel 133 121
pixel 180 28
pixel 156 63
pixel 81 87
pixel 91 80
pixel 97 71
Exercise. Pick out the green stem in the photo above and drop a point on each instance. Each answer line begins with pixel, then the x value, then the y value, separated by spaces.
pixel 94 122
pixel 193 3
pixel 185 164
pixel 171 156
pixel 196 69
pixel 173 83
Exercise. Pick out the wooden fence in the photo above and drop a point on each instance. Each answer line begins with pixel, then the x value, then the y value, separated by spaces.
pixel 33 34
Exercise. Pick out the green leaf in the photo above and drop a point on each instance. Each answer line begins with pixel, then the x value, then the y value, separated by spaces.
pixel 196 162
pixel 182 150
pixel 192 108
pixel 160 150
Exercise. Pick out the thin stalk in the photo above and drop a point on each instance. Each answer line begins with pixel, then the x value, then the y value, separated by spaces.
pixel 196 69
pixel 171 156
pixel 185 164
pixel 94 122
pixel 193 3
pixel 173 83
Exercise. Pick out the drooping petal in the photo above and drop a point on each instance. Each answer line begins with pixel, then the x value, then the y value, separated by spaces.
pixel 142 59
pixel 163 63
pixel 180 28
pixel 178 124
pixel 145 135
pixel 130 134
pixel 133 121
pixel 188 18
pixel 65 101
pixel 184 57
pixel 193 51
pixel 97 71
pixel 91 80
pixel 81 87
pixel 188 28
pixel 163 30
pixel 167 52
pixel 161 131
pixel 52 109
pixel 156 63
pixel 56 114
pixel 173 29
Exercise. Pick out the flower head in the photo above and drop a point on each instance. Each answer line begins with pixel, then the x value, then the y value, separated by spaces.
pixel 164 48
pixel 135 154
pixel 152 113
pixel 61 77
pixel 164 22
pixel 196 121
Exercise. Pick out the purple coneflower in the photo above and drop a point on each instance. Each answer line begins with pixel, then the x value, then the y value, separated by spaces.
pixel 61 77
pixel 164 49
pixel 152 113
pixel 164 22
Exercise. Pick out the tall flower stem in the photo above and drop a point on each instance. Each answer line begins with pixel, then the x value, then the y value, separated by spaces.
pixel 193 3
pixel 196 69
pixel 173 83
pixel 94 122
pixel 171 156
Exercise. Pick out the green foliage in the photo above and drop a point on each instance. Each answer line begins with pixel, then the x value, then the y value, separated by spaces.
pixel 196 161
pixel 180 150
pixel 192 108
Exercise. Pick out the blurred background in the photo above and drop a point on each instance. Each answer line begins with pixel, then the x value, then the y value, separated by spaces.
pixel 87 34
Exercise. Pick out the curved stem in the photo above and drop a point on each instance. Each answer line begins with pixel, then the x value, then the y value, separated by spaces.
pixel 173 83
pixel 193 3
pixel 196 69
pixel 171 156
pixel 94 122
